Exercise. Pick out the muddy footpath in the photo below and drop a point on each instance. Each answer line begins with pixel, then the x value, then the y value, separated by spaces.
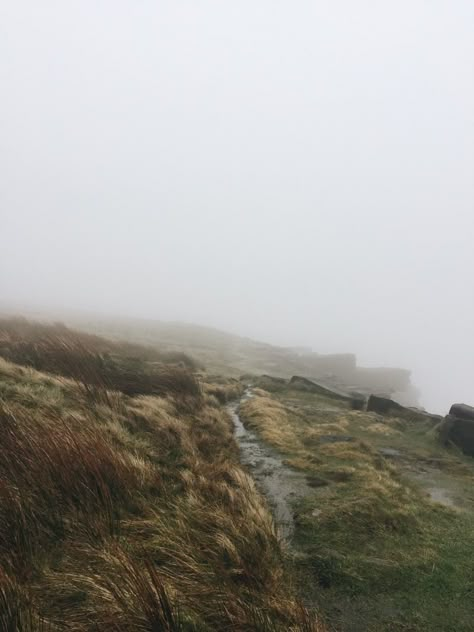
pixel 280 484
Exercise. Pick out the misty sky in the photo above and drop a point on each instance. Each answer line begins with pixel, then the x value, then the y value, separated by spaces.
pixel 299 172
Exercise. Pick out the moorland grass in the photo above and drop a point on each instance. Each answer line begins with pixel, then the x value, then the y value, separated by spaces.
pixel 370 545
pixel 127 513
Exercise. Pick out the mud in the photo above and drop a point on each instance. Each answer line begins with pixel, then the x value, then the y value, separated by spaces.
pixel 280 484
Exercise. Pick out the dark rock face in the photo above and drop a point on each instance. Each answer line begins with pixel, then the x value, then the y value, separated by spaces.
pixel 383 405
pixel 276 380
pixel 462 411
pixel 300 383
pixel 303 384
pixel 386 406
pixel 357 403
pixel 458 428
pixel 271 383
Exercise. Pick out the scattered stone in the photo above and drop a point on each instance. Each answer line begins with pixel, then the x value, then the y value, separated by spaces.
pixel 458 428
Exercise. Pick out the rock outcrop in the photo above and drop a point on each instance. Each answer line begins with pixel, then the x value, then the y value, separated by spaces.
pixel 383 405
pixel 300 383
pixel 458 428
pixel 271 383
pixel 386 406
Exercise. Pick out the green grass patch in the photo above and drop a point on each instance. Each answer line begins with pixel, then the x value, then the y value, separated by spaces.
pixel 370 545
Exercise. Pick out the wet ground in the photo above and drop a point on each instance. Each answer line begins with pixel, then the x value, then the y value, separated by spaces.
pixel 441 488
pixel 357 582
pixel 281 485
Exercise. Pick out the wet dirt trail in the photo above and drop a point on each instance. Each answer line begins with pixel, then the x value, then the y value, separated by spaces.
pixel 280 484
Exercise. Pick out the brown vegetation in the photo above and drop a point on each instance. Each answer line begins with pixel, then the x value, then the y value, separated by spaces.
pixel 129 513
pixel 223 389
pixel 99 365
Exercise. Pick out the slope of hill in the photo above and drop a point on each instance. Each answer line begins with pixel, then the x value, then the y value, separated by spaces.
pixel 228 354
pixel 126 504
pixel 123 505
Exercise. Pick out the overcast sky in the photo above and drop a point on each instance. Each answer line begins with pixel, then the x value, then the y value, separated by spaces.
pixel 299 172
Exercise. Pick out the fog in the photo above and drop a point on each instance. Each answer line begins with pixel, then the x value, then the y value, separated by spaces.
pixel 296 172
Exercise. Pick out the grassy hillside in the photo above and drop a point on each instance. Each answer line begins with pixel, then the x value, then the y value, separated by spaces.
pixel 122 502
pixel 227 354
pixel 385 540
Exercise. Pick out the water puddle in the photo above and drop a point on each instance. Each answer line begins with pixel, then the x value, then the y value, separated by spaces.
pixel 428 479
pixel 430 483
pixel 280 484
pixel 439 495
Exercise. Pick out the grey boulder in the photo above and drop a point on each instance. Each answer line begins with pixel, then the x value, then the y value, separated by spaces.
pixel 458 428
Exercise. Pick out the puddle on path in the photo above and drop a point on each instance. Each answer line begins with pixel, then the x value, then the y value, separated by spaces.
pixel 440 495
pixel 280 484
pixel 434 488
pixel 428 479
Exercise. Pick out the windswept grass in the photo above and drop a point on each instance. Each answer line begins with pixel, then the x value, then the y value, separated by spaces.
pixel 98 365
pixel 131 513
pixel 25 342
pixel 372 548
pixel 223 389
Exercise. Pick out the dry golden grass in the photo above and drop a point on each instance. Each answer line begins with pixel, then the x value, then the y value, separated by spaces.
pixel 271 419
pixel 131 513
pixel 375 497
pixel 99 365
pixel 227 390
pixel 23 341
pixel 379 428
